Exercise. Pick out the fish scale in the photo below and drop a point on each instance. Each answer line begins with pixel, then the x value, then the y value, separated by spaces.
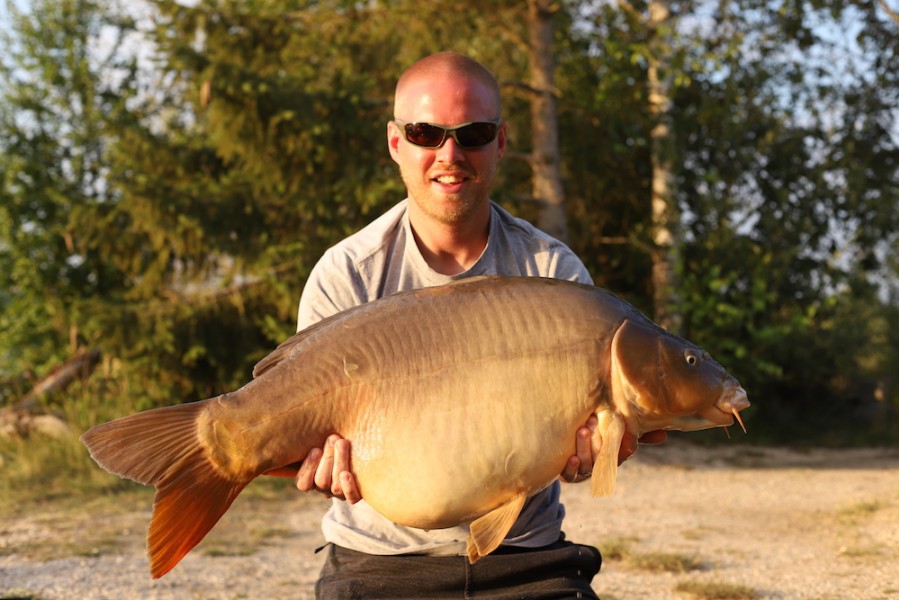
pixel 459 402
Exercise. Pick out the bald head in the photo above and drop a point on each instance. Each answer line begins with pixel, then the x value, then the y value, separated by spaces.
pixel 443 66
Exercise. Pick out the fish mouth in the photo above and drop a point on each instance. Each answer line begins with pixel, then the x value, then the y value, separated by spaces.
pixel 730 405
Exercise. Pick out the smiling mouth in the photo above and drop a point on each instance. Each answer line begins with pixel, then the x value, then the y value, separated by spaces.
pixel 449 179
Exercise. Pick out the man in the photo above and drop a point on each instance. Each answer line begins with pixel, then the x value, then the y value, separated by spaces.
pixel 447 138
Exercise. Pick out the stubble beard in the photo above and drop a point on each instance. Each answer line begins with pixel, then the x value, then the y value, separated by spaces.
pixel 447 209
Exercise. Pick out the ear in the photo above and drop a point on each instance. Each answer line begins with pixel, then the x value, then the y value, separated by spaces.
pixel 501 139
pixel 393 140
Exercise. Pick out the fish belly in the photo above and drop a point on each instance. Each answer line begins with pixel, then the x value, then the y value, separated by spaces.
pixel 443 450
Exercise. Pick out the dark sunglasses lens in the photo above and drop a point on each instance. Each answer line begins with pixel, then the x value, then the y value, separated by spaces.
pixel 476 134
pixel 422 134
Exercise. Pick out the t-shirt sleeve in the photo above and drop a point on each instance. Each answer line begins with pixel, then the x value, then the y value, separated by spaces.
pixel 566 265
pixel 332 286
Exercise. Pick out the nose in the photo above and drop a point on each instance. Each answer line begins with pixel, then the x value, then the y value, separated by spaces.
pixel 450 151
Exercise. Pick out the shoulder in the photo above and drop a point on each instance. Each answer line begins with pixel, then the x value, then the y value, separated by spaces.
pixel 552 256
pixel 370 241
pixel 524 232
pixel 342 277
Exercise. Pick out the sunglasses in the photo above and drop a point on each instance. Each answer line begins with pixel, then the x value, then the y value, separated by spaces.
pixel 467 135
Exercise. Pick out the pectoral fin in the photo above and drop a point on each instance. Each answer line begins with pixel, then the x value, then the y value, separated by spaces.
pixel 605 470
pixel 488 532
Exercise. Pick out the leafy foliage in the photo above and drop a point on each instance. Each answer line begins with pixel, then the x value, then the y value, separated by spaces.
pixel 169 174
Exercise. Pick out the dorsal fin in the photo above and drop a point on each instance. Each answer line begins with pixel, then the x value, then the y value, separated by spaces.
pixel 286 347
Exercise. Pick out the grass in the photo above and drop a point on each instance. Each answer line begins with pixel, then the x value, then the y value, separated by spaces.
pixel 39 468
pixel 16 594
pixel 860 510
pixel 697 533
pixel 76 526
pixel 663 562
pixel 243 534
pixel 621 549
pixel 861 551
pixel 55 502
pixel 712 590
pixel 115 522
pixel 616 548
pixel 215 550
pixel 853 516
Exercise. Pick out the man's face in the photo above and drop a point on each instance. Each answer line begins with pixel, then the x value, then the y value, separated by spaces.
pixel 448 183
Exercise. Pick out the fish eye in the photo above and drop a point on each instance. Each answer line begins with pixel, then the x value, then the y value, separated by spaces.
pixel 691 359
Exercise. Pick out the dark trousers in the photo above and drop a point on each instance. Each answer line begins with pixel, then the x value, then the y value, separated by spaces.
pixel 560 570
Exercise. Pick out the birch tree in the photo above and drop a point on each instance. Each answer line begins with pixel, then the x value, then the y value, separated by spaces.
pixel 546 176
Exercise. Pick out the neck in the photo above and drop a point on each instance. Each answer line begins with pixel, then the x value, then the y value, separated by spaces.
pixel 450 248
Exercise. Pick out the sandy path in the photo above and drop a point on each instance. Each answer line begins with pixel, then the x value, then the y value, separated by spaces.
pixel 813 525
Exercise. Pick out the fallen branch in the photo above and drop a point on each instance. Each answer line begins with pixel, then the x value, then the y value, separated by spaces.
pixel 78 367
pixel 22 418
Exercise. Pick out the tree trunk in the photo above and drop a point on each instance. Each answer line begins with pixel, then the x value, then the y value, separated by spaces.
pixel 546 170
pixel 665 215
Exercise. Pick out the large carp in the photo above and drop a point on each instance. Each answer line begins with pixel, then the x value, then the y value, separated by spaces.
pixel 459 401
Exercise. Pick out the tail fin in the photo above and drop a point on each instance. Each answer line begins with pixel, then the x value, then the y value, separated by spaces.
pixel 160 448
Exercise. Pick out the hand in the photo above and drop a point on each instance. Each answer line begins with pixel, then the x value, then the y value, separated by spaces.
pixel 588 445
pixel 629 443
pixel 327 471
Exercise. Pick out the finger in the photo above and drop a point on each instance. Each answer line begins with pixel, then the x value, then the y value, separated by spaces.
pixel 350 489
pixel 326 465
pixel 341 465
pixel 569 473
pixel 584 451
pixel 654 437
pixel 305 479
pixel 628 447
pixel 595 437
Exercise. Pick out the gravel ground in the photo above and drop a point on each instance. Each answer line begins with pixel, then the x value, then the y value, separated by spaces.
pixel 767 523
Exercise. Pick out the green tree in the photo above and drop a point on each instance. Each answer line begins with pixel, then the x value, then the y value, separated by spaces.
pixel 166 206
pixel 783 169
pixel 58 88
pixel 261 144
pixel 788 172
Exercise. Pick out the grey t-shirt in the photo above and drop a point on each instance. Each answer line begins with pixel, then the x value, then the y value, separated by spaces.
pixel 383 259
